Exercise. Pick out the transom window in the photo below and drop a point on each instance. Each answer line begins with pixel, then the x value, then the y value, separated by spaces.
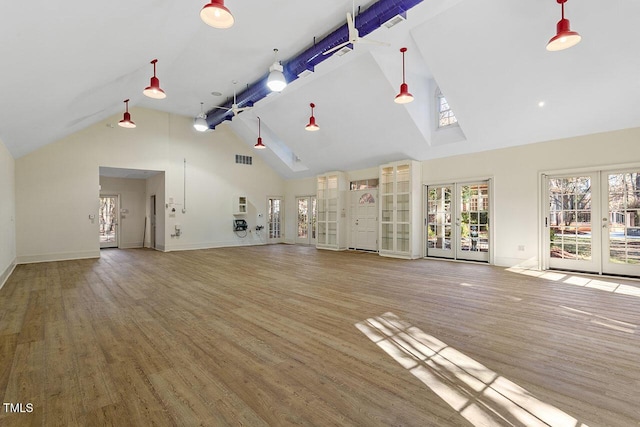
pixel 364 184
pixel 446 117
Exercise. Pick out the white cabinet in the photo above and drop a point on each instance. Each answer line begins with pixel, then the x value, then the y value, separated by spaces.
pixel 400 212
pixel 240 205
pixel 331 222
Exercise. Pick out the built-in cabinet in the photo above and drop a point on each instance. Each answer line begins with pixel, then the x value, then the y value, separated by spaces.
pixel 331 221
pixel 400 213
pixel 240 205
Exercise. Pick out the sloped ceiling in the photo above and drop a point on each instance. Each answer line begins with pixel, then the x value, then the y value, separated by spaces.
pixel 71 64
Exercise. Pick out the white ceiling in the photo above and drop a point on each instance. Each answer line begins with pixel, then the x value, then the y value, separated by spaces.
pixel 72 63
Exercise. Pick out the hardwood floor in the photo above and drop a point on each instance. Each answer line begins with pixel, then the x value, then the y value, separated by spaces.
pixel 290 335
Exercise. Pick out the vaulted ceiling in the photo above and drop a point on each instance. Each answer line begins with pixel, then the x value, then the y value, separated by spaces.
pixel 68 65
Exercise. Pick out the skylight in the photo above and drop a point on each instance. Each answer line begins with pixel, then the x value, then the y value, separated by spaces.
pixel 446 117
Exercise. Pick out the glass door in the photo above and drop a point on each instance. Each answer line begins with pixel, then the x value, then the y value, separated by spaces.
pixel 573 241
pixel 621 223
pixel 457 221
pixel 274 224
pixel 473 221
pixel 307 220
pixel 440 228
pixel 108 216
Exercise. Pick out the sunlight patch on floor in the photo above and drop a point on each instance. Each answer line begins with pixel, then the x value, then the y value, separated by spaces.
pixel 581 281
pixel 481 396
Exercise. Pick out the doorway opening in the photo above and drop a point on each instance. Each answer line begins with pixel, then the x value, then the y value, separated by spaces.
pixel 108 220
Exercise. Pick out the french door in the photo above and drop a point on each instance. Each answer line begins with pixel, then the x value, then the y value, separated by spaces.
pixel 457 222
pixel 592 222
pixel 275 206
pixel 108 216
pixel 307 220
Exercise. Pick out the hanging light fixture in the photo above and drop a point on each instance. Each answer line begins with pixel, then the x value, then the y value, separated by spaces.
pixel 259 145
pixel 126 120
pixel 153 90
pixel 564 38
pixel 217 15
pixel 404 96
pixel 312 126
pixel 276 80
pixel 200 123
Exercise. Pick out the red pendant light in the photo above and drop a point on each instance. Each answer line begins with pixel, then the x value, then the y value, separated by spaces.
pixel 217 15
pixel 312 126
pixel 404 96
pixel 153 90
pixel 259 145
pixel 126 120
pixel 564 38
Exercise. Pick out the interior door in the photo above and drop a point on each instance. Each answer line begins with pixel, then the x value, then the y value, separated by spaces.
pixel 364 219
pixel 108 215
pixel 307 220
pixel 457 221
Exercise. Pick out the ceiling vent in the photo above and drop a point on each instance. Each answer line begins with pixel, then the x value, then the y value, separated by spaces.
pixel 395 21
pixel 344 50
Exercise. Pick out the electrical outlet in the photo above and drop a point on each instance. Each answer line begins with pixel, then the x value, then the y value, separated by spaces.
pixel 521 248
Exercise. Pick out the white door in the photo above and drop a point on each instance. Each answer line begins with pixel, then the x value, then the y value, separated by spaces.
pixel 592 223
pixel 307 220
pixel 472 221
pixel 457 221
pixel 108 215
pixel 275 208
pixel 573 241
pixel 441 231
pixel 364 219
pixel 621 222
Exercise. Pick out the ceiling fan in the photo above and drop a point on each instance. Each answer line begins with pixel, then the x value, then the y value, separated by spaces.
pixel 235 109
pixel 354 35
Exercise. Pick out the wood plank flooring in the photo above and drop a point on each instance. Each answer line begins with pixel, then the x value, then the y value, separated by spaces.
pixel 289 335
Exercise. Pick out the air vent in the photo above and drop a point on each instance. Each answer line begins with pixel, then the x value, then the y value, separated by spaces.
pixel 394 21
pixel 243 160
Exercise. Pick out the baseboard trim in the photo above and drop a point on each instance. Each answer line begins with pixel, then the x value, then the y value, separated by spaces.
pixel 7 273
pixel 64 256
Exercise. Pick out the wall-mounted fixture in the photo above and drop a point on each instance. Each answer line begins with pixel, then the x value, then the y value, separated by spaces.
pixel 217 15
pixel 153 90
pixel 259 145
pixel 404 96
pixel 312 126
pixel 276 80
pixel 564 38
pixel 126 120
pixel 200 123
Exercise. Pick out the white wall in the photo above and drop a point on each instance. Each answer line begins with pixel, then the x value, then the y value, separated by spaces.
pixel 307 187
pixel 7 214
pixel 516 182
pixel 133 199
pixel 515 173
pixel 57 186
